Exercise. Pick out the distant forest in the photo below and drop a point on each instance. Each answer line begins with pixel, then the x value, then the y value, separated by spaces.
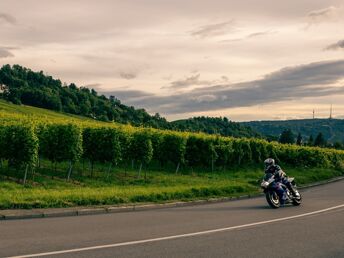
pixel 21 85
pixel 332 130
pixel 215 125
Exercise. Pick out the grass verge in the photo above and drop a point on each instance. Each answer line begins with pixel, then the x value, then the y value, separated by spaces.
pixel 121 187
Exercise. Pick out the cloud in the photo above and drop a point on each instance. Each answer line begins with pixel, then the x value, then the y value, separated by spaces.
pixel 127 76
pixel 323 15
pixel 224 78
pixel 205 98
pixel 128 95
pixel 336 46
pixel 290 83
pixel 194 80
pixel 4 52
pixel 260 33
pixel 322 12
pixel 8 18
pixel 250 36
pixel 187 82
pixel 213 30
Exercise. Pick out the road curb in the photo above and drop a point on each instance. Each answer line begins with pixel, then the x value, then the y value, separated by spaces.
pixel 81 211
pixel 336 179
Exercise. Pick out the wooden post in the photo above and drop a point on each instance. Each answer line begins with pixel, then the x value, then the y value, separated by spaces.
pixel 52 170
pixel 70 170
pixel 83 167
pixel 92 169
pixel 212 163
pixel 108 172
pixel 25 175
pixel 33 174
pixel 177 169
pixel 139 175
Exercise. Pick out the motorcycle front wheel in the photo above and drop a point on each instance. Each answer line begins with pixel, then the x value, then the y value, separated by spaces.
pixel 297 201
pixel 273 199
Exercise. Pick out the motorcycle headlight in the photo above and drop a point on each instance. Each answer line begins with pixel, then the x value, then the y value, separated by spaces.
pixel 264 184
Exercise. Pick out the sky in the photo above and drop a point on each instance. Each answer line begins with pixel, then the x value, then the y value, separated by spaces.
pixel 245 60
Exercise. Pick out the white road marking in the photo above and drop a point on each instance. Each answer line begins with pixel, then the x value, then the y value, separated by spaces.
pixel 178 236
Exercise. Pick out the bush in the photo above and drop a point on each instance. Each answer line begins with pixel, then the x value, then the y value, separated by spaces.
pixel 172 149
pixel 224 150
pixel 242 152
pixel 19 145
pixel 141 149
pixel 102 145
pixel 60 142
pixel 200 151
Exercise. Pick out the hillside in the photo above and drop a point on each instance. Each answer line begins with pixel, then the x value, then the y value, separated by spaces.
pixel 10 111
pixel 332 129
pixel 22 86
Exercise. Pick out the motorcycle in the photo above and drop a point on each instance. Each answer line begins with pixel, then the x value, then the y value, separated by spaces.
pixel 270 189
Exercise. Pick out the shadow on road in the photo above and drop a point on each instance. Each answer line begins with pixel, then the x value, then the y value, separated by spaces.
pixel 232 208
pixel 235 208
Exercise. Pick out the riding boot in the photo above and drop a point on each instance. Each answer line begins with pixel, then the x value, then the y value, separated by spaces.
pixel 291 189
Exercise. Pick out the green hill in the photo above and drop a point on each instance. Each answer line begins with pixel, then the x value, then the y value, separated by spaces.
pixel 23 86
pixel 332 129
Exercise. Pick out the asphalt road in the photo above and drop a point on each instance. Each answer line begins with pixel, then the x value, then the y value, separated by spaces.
pixel 245 228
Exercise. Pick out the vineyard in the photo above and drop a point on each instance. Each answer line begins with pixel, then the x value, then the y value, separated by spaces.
pixel 29 142
pixel 23 144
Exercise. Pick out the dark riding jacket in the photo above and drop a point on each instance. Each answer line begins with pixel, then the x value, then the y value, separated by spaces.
pixel 276 171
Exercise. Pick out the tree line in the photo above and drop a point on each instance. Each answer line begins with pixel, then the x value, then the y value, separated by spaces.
pixel 214 125
pixel 332 129
pixel 288 137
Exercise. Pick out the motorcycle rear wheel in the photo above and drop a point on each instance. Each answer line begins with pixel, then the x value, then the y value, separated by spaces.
pixel 273 199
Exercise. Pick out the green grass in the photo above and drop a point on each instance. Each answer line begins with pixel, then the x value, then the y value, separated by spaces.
pixel 9 109
pixel 12 112
pixel 122 187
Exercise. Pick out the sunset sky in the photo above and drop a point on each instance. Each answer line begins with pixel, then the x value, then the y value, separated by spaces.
pixel 246 60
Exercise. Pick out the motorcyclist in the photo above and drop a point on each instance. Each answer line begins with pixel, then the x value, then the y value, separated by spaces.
pixel 280 177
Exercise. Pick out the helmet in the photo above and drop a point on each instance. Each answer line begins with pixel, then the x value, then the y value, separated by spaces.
pixel 268 163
